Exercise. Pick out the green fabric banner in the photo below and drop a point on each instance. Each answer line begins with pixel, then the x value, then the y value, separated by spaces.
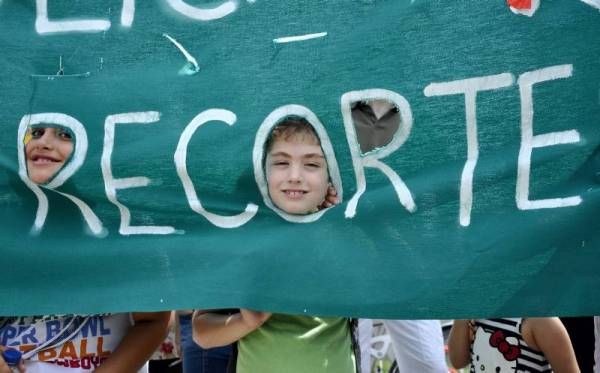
pixel 484 203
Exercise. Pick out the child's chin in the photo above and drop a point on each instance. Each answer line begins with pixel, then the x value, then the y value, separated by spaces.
pixel 293 209
pixel 40 178
pixel 301 211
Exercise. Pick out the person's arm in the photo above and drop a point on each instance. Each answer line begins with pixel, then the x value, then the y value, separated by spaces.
pixel 459 343
pixel 177 335
pixel 548 335
pixel 214 330
pixel 142 339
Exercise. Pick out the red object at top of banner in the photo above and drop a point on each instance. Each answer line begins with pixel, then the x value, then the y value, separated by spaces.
pixel 520 4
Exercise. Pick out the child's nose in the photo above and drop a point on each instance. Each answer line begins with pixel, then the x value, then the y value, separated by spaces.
pixel 46 140
pixel 295 173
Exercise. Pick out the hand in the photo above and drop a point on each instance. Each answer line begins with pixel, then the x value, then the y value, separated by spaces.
pixel 4 368
pixel 331 198
pixel 254 319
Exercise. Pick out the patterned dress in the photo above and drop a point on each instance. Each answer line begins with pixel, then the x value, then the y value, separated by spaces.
pixel 499 347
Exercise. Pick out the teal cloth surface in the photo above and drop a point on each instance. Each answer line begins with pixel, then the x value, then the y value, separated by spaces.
pixel 384 261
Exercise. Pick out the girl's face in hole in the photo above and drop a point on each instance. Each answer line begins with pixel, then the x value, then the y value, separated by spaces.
pixel 297 175
pixel 46 151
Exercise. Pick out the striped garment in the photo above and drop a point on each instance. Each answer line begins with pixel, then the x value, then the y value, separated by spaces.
pixel 498 347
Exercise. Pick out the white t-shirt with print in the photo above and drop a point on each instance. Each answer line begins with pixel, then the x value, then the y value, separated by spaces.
pixel 64 343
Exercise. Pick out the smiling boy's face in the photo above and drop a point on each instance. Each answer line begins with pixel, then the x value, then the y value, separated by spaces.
pixel 297 174
pixel 46 151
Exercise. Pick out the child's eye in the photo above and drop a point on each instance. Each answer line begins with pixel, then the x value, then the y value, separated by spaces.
pixel 313 165
pixel 280 163
pixel 64 135
pixel 37 133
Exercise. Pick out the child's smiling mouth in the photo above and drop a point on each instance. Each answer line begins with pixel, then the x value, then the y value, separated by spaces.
pixel 43 159
pixel 294 193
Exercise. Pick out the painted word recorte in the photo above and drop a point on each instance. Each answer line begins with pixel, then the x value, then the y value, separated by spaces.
pixel 469 88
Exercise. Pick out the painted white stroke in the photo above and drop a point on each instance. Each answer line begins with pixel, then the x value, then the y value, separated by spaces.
pixel 187 55
pixel 529 141
pixel 204 14
pixel 258 154
pixel 594 3
pixel 77 159
pixel 469 87
pixel 111 185
pixel 291 39
pixel 43 25
pixel 180 159
pixel 372 159
pixel 127 13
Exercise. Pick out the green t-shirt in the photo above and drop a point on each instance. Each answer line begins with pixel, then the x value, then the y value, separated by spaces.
pixel 298 344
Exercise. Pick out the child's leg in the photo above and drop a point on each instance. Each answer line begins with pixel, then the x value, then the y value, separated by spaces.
pixel 418 345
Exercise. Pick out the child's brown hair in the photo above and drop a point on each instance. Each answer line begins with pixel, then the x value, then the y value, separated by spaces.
pixel 289 128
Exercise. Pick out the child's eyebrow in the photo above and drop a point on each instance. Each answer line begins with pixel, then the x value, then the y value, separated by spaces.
pixel 309 155
pixel 313 155
pixel 280 154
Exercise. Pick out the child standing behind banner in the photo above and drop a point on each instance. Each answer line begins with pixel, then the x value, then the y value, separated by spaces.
pixel 512 345
pixel 111 343
pixel 298 182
